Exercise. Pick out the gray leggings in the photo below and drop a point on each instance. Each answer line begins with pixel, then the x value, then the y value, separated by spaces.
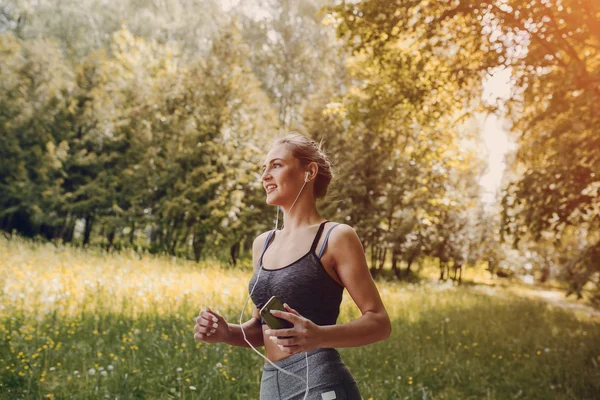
pixel 328 378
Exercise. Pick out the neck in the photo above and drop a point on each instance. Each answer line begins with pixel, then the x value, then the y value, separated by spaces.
pixel 303 214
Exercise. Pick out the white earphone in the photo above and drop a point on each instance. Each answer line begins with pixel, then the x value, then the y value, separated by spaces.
pixel 249 297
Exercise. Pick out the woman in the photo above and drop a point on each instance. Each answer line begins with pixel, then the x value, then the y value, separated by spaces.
pixel 310 285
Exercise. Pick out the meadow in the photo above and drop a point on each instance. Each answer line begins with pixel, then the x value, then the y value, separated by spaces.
pixel 82 324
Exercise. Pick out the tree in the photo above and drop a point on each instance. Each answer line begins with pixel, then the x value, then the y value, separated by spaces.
pixel 35 127
pixel 402 112
pixel 293 53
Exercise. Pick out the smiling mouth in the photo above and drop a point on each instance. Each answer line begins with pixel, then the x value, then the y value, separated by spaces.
pixel 271 189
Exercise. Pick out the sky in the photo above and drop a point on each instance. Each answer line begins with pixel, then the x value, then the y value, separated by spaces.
pixel 494 134
pixel 250 8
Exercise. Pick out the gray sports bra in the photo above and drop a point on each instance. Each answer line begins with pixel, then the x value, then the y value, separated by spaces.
pixel 304 284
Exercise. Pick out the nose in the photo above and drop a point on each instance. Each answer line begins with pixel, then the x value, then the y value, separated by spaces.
pixel 264 176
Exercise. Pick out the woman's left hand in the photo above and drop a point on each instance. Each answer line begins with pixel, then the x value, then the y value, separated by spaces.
pixel 305 335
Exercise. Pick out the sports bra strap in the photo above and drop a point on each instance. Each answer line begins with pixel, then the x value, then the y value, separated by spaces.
pixel 325 241
pixel 313 247
pixel 265 247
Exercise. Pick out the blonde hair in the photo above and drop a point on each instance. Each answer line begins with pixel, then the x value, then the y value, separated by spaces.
pixel 306 151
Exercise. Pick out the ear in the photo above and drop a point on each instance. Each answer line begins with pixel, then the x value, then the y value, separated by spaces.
pixel 314 170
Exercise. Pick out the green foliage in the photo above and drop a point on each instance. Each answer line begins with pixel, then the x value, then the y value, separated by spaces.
pixel 409 168
pixel 141 124
pixel 294 54
pixel 143 139
pixel 83 26
pixel 34 132
pixel 442 50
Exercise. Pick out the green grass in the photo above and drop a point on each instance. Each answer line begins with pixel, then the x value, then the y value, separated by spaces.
pixel 66 312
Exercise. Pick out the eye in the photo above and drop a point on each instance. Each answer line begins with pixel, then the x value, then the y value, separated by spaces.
pixel 262 170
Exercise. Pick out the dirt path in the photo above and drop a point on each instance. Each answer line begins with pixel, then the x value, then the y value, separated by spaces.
pixel 555 297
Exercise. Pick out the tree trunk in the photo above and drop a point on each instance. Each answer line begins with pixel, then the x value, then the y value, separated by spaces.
pixel 173 244
pixel 67 234
pixel 373 268
pixel 185 239
pixel 409 263
pixel 159 237
pixel 132 233
pixel 395 269
pixel 442 270
pixel 545 274
pixel 89 221
pixel 111 239
pixel 198 243
pixel 382 256
pixel 457 267
pixel 233 252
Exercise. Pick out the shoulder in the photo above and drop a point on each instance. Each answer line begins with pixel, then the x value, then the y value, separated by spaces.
pixel 339 227
pixel 342 235
pixel 260 240
pixel 346 248
pixel 257 246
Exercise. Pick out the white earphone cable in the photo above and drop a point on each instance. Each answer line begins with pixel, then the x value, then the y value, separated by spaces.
pixel 249 297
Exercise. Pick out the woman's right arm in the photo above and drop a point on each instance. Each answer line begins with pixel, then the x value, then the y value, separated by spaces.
pixel 252 328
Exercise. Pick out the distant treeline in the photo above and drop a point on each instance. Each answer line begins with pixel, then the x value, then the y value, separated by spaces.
pixel 149 132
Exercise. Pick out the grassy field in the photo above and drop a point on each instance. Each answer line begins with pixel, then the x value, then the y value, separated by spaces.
pixel 81 324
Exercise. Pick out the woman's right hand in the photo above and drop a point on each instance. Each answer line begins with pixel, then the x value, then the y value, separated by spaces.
pixel 211 327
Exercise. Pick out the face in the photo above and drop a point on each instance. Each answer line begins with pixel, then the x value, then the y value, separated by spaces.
pixel 282 170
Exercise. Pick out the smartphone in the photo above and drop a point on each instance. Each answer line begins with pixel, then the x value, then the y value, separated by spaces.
pixel 270 319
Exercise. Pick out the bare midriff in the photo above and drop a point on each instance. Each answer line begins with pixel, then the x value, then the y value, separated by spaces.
pixel 272 351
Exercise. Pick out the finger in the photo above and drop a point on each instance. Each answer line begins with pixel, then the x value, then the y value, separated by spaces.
pixel 284 342
pixel 207 320
pixel 290 309
pixel 210 324
pixel 201 317
pixel 208 316
pixel 214 312
pixel 204 322
pixel 199 336
pixel 204 329
pixel 281 332
pixel 286 315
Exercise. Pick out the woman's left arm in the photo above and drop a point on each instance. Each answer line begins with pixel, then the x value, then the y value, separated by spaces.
pixel 372 326
pixel 351 266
